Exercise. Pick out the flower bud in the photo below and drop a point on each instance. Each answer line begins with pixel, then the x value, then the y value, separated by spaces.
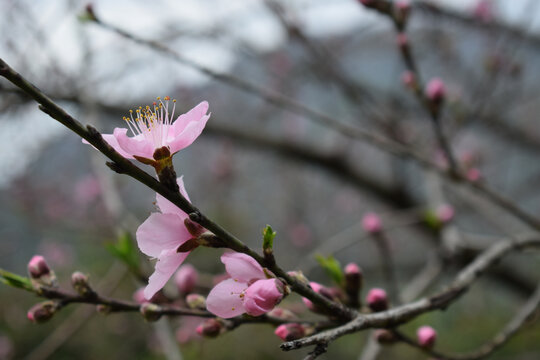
pixel 473 174
pixel 384 337
pixel 298 276
pixel 435 90
pixel 103 309
pixel 377 300
pixel 42 312
pixel 426 336
pixel 402 40
pixel 372 223
pixel 196 301
pixel 193 228
pixel 210 328
pixel 445 213
pixel 37 267
pixel 263 295
pixel 150 312
pixel 186 278
pixel 402 9
pixel 353 284
pixel 80 283
pixel 281 313
pixel 290 332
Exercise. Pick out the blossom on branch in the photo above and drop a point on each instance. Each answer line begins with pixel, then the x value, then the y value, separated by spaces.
pixel 249 290
pixel 161 235
pixel 154 128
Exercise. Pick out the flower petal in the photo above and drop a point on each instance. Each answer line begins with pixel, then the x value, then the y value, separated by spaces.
pixel 111 140
pixel 225 299
pixel 261 296
pixel 167 207
pixel 242 267
pixel 161 232
pixel 137 145
pixel 168 262
pixel 192 115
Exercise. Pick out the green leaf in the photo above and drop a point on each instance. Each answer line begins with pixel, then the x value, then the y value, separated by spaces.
pixel 268 237
pixel 431 220
pixel 332 268
pixel 124 249
pixel 14 280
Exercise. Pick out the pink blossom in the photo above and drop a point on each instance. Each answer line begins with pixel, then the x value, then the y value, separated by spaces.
pixel 37 267
pixel 86 190
pixel 372 223
pixel 426 336
pixel 377 299
pixel 159 236
pixel 289 332
pixel 153 128
pixel 352 268
pixel 408 79
pixel 474 174
pixel 435 89
pixel 445 213
pixel 247 291
pixel 186 278
pixel 484 11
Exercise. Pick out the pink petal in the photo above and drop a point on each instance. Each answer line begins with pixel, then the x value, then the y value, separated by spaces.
pixel 137 145
pixel 111 140
pixel 168 207
pixel 168 262
pixel 183 120
pixel 224 299
pixel 191 132
pixel 242 267
pixel 262 296
pixel 161 232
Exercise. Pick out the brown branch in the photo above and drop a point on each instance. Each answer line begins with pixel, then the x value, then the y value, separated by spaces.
pixel 441 300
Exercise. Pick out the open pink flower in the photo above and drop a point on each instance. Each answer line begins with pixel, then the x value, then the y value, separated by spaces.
pixel 160 236
pixel 247 291
pixel 154 128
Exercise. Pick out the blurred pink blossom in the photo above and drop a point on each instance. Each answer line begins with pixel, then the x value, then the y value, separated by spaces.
pixel 186 278
pixel 435 89
pixel 377 299
pixel 426 336
pixel 372 223
pixel 86 190
pixel 483 10
pixel 445 213
pixel 301 235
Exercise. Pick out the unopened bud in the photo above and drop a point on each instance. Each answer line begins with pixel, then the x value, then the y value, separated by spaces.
pixel 290 332
pixel 193 228
pixel 210 328
pixel 474 174
pixel 80 283
pixel 281 313
pixel 196 301
pixel 186 278
pixel 384 337
pixel 435 90
pixel 150 312
pixel 263 295
pixel 299 276
pixel 402 8
pixel 402 40
pixel 426 336
pixel 42 312
pixel 372 223
pixel 408 79
pixel 377 300
pixel 445 213
pixel 40 273
pixel 353 284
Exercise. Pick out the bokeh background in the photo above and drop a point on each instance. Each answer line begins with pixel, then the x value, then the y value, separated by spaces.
pixel 259 164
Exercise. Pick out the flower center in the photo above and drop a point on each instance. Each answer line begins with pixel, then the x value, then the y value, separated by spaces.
pixel 152 123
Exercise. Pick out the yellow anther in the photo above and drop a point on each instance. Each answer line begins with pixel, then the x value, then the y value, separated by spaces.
pixel 167 98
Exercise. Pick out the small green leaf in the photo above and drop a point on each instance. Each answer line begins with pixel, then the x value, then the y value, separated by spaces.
pixel 268 237
pixel 125 250
pixel 431 220
pixel 14 280
pixel 332 268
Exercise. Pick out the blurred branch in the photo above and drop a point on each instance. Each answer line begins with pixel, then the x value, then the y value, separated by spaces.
pixel 514 325
pixel 441 300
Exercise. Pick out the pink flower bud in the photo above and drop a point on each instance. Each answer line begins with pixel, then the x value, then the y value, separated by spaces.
pixel 186 278
pixel 474 174
pixel 37 267
pixel 371 223
pixel 41 312
pixel 315 287
pixel 352 269
pixel 426 336
pixel 408 79
pixel 435 90
pixel 377 300
pixel 196 301
pixel 445 213
pixel 138 296
pixel 262 296
pixel 353 284
pixel 210 328
pixel 289 332
pixel 80 283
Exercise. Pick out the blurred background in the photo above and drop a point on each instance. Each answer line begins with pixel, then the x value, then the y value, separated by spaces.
pixel 257 163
